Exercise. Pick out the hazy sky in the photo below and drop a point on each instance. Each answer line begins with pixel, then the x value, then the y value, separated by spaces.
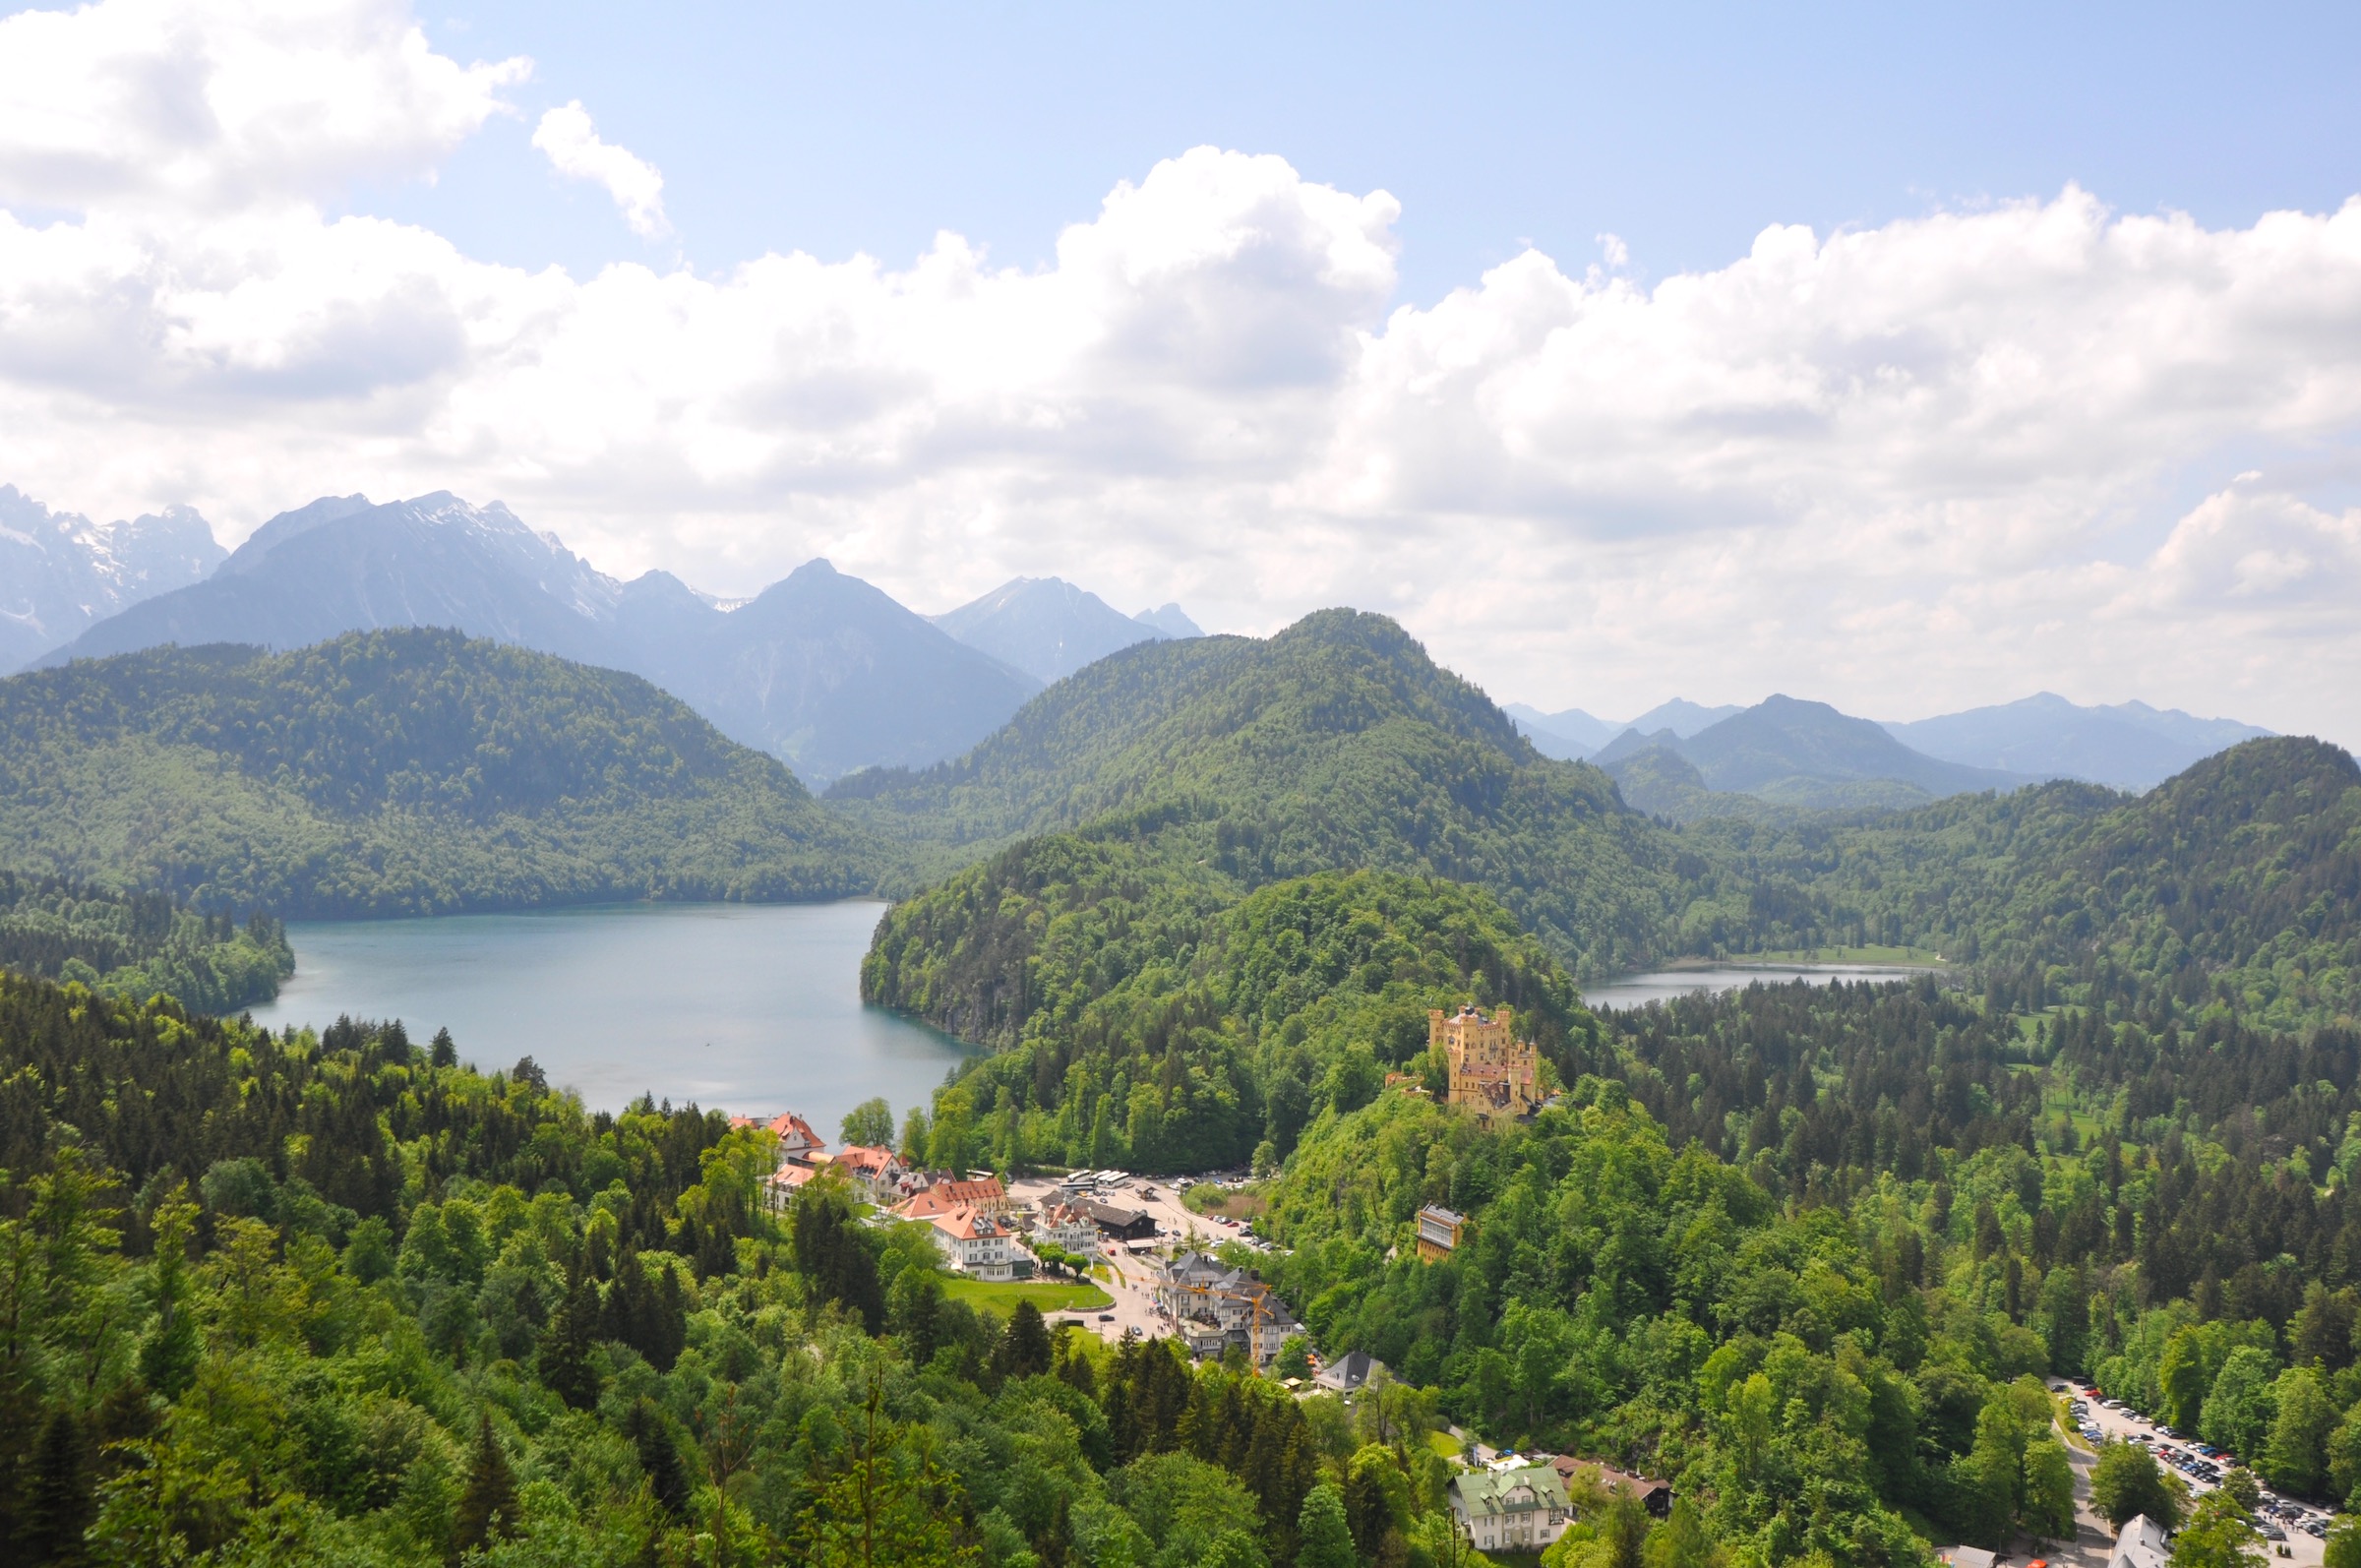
pixel 1905 357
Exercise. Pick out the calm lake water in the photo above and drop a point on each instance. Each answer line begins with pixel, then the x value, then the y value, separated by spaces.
pixel 751 1007
pixel 1636 991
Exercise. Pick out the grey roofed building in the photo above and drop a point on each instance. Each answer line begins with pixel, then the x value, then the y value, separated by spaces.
pixel 2141 1544
pixel 1349 1371
pixel 1968 1556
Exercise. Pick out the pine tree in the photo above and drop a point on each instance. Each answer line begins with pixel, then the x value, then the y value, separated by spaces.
pixel 667 1477
pixel 169 1356
pixel 59 1508
pixel 565 1354
pixel 488 1507
pixel 1024 1348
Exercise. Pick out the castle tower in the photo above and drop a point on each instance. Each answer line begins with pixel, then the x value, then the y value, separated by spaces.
pixel 1492 1073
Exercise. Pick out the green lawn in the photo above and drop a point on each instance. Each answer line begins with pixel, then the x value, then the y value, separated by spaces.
pixel 1059 1295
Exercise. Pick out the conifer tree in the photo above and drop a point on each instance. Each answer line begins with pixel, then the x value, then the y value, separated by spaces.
pixel 488 1507
pixel 1024 1348
pixel 169 1358
pixel 59 1508
pixel 564 1353
pixel 667 1477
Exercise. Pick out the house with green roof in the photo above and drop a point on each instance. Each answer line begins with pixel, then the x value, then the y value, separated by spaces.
pixel 1519 1509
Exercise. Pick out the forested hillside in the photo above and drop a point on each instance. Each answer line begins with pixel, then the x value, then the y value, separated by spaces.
pixel 1335 744
pixel 2238 881
pixel 337 1300
pixel 137 945
pixel 1149 1022
pixel 397 772
pixel 1802 1248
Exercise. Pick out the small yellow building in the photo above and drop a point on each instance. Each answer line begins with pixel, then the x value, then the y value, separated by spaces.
pixel 1493 1073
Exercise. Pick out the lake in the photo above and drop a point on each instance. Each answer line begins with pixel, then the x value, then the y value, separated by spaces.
pixel 1636 991
pixel 751 1007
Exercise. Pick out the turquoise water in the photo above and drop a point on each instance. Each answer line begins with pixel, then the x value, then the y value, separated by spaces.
pixel 1636 991
pixel 751 1007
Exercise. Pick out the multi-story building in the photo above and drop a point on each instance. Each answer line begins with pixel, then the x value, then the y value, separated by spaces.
pixel 1520 1510
pixel 876 1170
pixel 1214 1306
pixel 979 1245
pixel 1068 1226
pixel 1492 1073
pixel 942 1194
pixel 1438 1233
pixel 798 1143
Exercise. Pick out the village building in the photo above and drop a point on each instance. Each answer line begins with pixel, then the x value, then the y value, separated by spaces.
pixel 1522 1510
pixel 798 1143
pixel 1214 1306
pixel 980 1246
pixel 1066 1225
pixel 874 1170
pixel 2141 1544
pixel 1117 1222
pixel 1438 1234
pixel 1492 1073
pixel 946 1193
pixel 1578 1474
pixel 1348 1373
pixel 780 1187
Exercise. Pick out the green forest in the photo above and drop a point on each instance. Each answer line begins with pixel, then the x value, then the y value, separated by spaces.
pixel 336 1298
pixel 398 773
pixel 1809 1252
pixel 140 945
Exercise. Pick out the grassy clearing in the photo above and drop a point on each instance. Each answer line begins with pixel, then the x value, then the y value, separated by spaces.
pixel 1050 1296
pixel 1221 1203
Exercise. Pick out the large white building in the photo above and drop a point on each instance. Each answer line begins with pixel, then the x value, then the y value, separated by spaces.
pixel 980 1244
pixel 1511 1510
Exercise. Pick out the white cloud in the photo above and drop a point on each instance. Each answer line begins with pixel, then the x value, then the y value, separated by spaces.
pixel 1945 461
pixel 574 151
pixel 219 105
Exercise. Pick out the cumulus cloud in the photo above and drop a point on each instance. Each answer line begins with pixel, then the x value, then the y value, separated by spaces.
pixel 571 142
pixel 218 104
pixel 1945 461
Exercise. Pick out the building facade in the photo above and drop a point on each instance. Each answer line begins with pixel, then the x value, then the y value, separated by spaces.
pixel 1213 1306
pixel 1066 1225
pixel 980 1246
pixel 1492 1073
pixel 1511 1510
pixel 1438 1234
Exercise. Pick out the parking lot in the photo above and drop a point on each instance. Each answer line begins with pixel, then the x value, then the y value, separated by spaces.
pixel 2127 1425
pixel 1130 1276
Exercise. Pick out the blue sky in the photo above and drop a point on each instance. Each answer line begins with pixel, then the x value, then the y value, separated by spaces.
pixel 1909 358
pixel 1685 130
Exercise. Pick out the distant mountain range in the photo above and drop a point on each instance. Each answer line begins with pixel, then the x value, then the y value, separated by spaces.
pixel 1048 629
pixel 833 676
pixel 2128 746
pixel 60 572
pixel 1574 736
pixel 821 670
pixel 1786 753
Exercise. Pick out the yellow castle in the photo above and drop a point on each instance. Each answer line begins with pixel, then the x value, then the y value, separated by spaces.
pixel 1493 1073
